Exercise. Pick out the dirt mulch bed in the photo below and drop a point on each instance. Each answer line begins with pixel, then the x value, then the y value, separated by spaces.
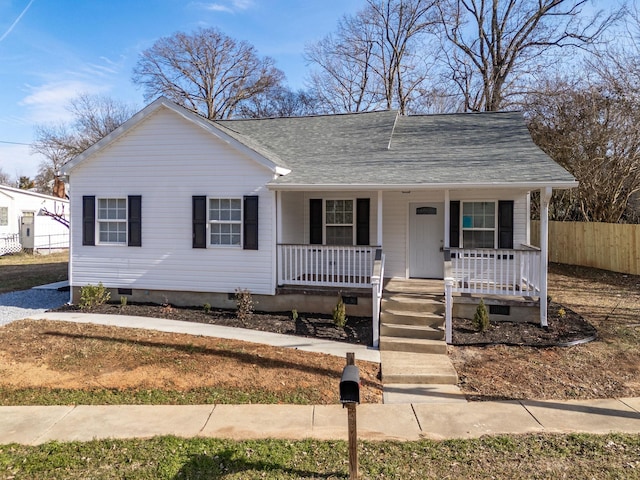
pixel 357 330
pixel 565 328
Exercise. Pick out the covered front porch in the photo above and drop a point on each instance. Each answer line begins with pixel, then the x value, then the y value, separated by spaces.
pixel 404 234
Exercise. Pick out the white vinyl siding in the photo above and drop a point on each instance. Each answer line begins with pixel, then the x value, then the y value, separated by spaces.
pixel 167 160
pixel 4 216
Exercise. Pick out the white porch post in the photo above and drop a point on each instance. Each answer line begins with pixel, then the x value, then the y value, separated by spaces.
pixel 379 226
pixel 545 197
pixel 279 266
pixel 447 219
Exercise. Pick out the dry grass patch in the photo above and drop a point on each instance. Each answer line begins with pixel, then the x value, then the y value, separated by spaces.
pixel 606 368
pixel 41 355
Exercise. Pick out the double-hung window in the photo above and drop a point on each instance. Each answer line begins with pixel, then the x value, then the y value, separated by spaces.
pixel 479 224
pixel 112 220
pixel 339 222
pixel 225 220
pixel 4 216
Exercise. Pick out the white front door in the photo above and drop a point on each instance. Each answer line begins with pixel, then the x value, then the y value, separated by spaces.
pixel 426 240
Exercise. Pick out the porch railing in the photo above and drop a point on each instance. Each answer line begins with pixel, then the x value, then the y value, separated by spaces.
pixel 513 272
pixel 325 265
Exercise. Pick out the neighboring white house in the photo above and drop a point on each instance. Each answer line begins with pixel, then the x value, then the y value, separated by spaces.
pixel 171 206
pixel 24 223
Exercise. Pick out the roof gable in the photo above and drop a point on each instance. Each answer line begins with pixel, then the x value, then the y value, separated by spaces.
pixel 245 145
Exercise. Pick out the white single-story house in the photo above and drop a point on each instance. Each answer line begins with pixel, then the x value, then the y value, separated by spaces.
pixel 174 207
pixel 26 223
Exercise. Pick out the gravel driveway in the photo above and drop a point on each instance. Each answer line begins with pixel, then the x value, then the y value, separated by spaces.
pixel 23 303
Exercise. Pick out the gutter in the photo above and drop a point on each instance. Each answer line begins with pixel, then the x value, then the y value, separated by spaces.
pixel 299 187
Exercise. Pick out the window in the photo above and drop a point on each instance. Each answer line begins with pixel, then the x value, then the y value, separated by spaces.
pixel 225 219
pixel 4 216
pixel 339 222
pixel 112 220
pixel 478 224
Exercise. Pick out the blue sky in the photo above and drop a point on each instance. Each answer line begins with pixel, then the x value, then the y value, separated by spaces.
pixel 53 50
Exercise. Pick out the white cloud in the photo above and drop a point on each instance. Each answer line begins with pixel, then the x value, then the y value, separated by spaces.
pixel 48 103
pixel 227 6
pixel 17 161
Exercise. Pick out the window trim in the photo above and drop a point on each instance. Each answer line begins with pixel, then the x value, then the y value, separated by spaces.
pixel 353 223
pixel 100 221
pixel 494 229
pixel 211 222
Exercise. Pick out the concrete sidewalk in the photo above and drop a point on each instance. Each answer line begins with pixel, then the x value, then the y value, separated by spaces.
pixel 35 425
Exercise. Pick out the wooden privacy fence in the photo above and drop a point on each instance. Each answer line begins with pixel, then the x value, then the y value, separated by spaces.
pixel 609 246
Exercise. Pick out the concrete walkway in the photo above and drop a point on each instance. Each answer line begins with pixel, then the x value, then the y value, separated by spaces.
pixel 447 419
pixel 36 425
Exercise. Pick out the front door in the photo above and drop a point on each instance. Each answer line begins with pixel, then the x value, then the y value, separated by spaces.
pixel 426 240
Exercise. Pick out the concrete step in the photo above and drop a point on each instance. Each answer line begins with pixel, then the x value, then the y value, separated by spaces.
pixel 412 345
pixel 417 368
pixel 414 286
pixel 410 303
pixel 411 331
pixel 400 393
pixel 390 317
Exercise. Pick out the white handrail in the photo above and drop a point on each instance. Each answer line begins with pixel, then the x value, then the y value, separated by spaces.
pixel 377 285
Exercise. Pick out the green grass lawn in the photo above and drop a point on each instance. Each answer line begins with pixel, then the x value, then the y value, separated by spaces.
pixel 503 457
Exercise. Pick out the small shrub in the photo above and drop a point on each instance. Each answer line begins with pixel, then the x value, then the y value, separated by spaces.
pixel 166 307
pixel 123 301
pixel 294 314
pixel 244 305
pixel 562 312
pixel 94 296
pixel 340 313
pixel 207 308
pixel 481 317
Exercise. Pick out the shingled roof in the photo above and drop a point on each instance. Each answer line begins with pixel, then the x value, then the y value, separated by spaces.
pixel 383 149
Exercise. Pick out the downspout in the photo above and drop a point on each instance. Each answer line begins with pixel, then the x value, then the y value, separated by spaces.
pixel 545 197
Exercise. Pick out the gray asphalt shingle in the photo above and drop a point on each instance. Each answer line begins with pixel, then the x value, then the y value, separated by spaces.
pixel 381 148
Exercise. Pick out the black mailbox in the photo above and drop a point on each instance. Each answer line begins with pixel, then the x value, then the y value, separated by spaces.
pixel 350 385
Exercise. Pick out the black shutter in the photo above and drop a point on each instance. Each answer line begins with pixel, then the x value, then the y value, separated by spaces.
pixel 135 221
pixel 250 223
pixel 88 220
pixel 505 224
pixel 454 223
pixel 362 221
pixel 199 213
pixel 315 221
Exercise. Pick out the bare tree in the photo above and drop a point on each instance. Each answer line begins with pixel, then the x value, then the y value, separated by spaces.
pixel 4 178
pixel 278 102
pixel 377 58
pixel 206 72
pixel 344 79
pixel 94 117
pixel 593 131
pixel 494 47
